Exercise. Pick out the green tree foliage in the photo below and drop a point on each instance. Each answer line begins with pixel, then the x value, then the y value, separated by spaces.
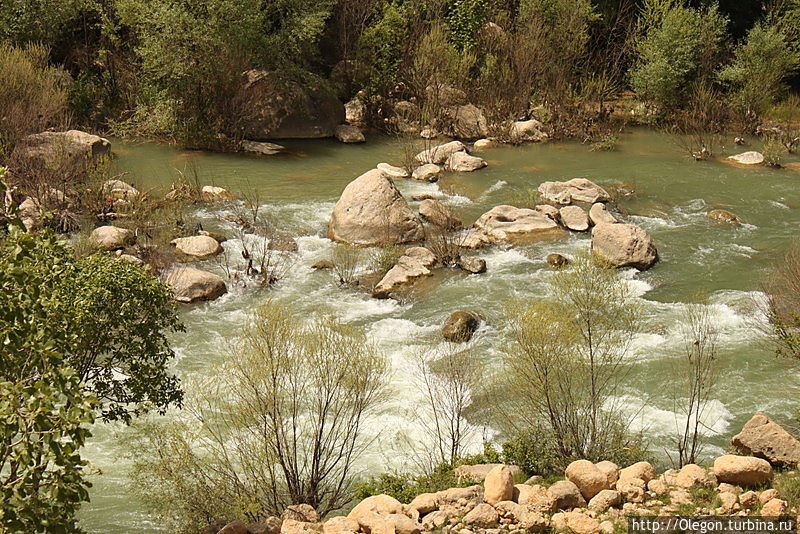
pixel 381 47
pixel 677 44
pixel 38 21
pixel 465 18
pixel 43 408
pixel 115 317
pixel 760 66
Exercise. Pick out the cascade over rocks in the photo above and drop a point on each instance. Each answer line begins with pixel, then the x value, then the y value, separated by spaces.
pixel 764 438
pixel 414 264
pixel 371 211
pixel 624 245
pixel 574 190
pixel 280 108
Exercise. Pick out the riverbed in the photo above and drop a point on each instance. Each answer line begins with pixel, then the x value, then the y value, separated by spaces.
pixel 721 265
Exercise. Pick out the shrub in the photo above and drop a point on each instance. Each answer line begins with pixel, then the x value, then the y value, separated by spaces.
pixel 759 68
pixel 33 95
pixel 405 486
pixel 280 422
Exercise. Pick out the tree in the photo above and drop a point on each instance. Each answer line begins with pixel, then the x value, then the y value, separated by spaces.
pixel 676 45
pixel 280 422
pixel 568 357
pixel 698 371
pixel 44 411
pixel 782 304
pixel 116 317
pixel 448 377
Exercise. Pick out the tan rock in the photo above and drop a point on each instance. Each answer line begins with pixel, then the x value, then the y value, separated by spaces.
pixel 463 162
pixel 439 215
pixel 764 438
pixel 379 504
pixel 631 489
pixel 428 172
pixel 482 516
pixel 458 328
pixel 211 193
pixel 425 503
pixel 371 211
pixel 580 523
pixel 472 494
pixel 574 218
pixel 340 525
pixel 748 158
pixel 119 190
pixel 527 131
pixel 598 214
pixel 537 498
pixel 566 495
pixel 439 154
pixel 197 247
pixel 392 171
pixel 498 485
pixel 292 526
pixel 604 500
pixel 347 133
pixel 402 524
pixel 742 470
pixel 640 470
pixel 190 285
pixel 301 512
pixel 722 216
pixel 624 245
pixel 589 479
pixel 692 475
pixel 483 144
pixel 727 502
pixel 610 470
pixel 774 508
pixel 767 495
pixel 472 265
pixel 507 224
pixel 575 190
pixel 658 486
pixel 415 263
pixel 112 238
pixel 748 499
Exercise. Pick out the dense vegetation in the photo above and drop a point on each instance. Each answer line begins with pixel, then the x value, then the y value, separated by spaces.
pixel 156 68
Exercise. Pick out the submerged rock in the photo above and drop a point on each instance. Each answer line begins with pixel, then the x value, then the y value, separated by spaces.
pixel 190 285
pixel 723 216
pixel 748 158
pixel 415 263
pixel 458 328
pixel 262 147
pixel 371 211
pixel 624 245
pixel 574 190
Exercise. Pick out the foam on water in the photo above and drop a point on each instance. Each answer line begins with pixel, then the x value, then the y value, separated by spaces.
pixel 655 421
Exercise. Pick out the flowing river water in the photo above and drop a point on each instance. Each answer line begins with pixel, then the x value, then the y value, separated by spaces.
pixel 726 264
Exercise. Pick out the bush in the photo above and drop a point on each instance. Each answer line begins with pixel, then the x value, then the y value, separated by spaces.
pixel 33 95
pixel 676 45
pixel 405 486
pixel 280 422
pixel 759 68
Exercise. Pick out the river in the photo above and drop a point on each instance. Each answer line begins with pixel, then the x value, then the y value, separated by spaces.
pixel 726 264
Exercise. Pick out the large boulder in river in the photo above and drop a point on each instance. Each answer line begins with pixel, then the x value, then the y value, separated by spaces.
pixel 463 162
pixel 764 438
pixel 440 153
pixel 55 148
pixel 190 285
pixel 112 238
pixel 371 211
pixel 624 245
pixel 198 247
pixel 460 326
pixel 415 263
pixel 575 190
pixel 280 108
pixel 347 133
pixel 508 224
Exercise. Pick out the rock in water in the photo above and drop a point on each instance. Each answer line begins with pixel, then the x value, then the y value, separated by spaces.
pixel 483 144
pixel 507 224
pixel 460 326
pixel 262 148
pixel 112 238
pixel 439 154
pixel 624 245
pixel 557 260
pixel 764 438
pixel 392 171
pixel 528 131
pixel 748 158
pixel 438 214
pixel 575 190
pixel 415 263
pixel 347 133
pixel 371 211
pixel 119 190
pixel 212 193
pixel 574 218
pixel 463 162
pixel 723 216
pixel 190 285
pixel 472 265
pixel 427 173
pixel 197 247
pixel 598 214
